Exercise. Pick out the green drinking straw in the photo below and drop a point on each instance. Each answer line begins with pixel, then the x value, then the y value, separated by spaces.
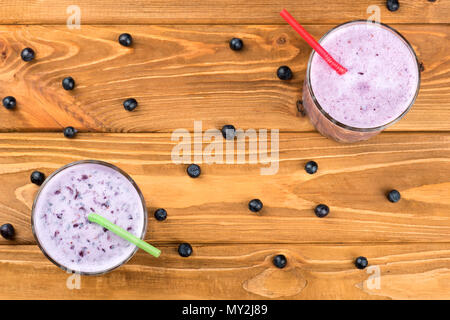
pixel 93 217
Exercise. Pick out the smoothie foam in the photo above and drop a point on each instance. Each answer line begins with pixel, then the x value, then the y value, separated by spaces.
pixel 381 81
pixel 60 217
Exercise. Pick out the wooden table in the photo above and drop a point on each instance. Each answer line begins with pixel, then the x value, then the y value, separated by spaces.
pixel 181 69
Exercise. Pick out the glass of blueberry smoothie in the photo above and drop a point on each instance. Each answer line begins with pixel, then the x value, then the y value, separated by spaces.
pixel 60 222
pixel 380 86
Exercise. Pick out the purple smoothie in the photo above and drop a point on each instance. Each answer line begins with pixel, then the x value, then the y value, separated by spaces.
pixel 60 213
pixel 382 78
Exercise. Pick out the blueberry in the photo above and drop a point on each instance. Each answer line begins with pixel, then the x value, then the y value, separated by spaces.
pixel 236 44
pixel 130 104
pixel 68 83
pixel 392 5
pixel 185 250
pixel 70 132
pixel 126 39
pixel 27 54
pixel 361 262
pixel 193 170
pixel 160 214
pixel 37 177
pixel 255 205
pixel 279 261
pixel 393 196
pixel 311 167
pixel 284 73
pixel 322 210
pixel 228 131
pixel 7 231
pixel 9 102
pixel 421 67
pixel 301 108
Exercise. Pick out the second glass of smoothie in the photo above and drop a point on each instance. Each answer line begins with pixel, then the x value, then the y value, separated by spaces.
pixel 380 86
pixel 62 229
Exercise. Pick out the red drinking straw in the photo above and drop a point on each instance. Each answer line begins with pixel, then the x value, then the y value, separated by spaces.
pixel 312 42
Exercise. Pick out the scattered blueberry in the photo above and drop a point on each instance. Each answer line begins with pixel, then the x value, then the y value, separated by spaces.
pixel 160 214
pixel 255 205
pixel 70 132
pixel 27 54
pixel 193 170
pixel 322 210
pixel 361 262
pixel 37 177
pixel 394 196
pixel 236 44
pixel 421 67
pixel 279 261
pixel 284 73
pixel 311 167
pixel 130 104
pixel 126 39
pixel 68 83
pixel 185 250
pixel 392 5
pixel 7 231
pixel 228 131
pixel 9 102
pixel 301 108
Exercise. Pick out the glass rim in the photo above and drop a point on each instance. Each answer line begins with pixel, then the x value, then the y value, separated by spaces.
pixel 99 162
pixel 340 124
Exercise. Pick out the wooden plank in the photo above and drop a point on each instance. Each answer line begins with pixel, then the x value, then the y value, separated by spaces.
pixel 184 73
pixel 419 271
pixel 217 12
pixel 352 180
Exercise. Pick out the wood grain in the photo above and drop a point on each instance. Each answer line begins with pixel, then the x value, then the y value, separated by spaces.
pixel 180 74
pixel 406 271
pixel 352 180
pixel 216 12
pixel 181 69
